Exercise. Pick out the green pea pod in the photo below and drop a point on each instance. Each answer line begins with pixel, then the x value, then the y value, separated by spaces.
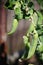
pixel 14 27
pixel 33 45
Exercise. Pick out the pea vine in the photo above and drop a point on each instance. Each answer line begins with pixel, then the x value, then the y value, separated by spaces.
pixel 24 9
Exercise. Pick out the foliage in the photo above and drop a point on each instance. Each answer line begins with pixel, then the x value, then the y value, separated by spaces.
pixel 24 9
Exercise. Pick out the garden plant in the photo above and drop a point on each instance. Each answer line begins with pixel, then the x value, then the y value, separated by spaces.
pixel 24 9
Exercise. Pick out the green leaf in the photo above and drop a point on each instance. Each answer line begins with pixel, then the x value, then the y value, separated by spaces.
pixel 40 32
pixel 40 18
pixel 17 11
pixel 20 16
pixel 40 47
pixel 41 39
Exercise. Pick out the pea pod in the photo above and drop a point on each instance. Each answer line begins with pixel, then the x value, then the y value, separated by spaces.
pixel 14 27
pixel 33 45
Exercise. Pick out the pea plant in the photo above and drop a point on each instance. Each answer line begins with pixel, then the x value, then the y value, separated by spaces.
pixel 24 9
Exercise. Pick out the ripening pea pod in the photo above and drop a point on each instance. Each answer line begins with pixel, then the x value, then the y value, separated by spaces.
pixel 33 45
pixel 14 27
